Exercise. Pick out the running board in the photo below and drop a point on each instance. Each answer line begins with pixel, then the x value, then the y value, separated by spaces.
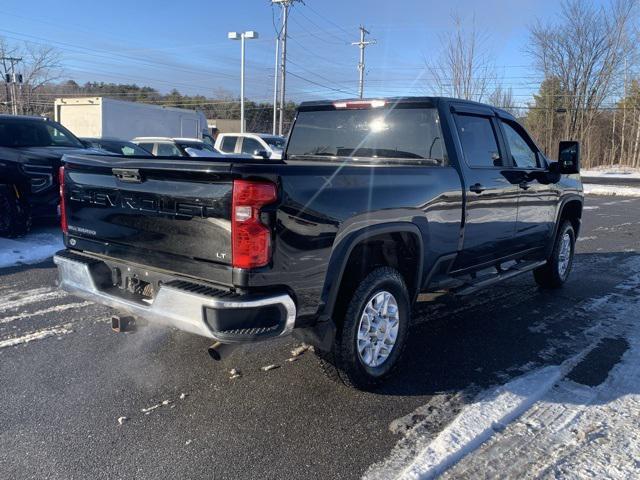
pixel 514 271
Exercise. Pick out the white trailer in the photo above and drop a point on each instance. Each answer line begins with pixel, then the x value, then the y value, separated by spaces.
pixel 100 117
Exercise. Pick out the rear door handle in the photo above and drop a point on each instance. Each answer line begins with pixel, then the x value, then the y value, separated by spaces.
pixel 477 188
pixel 524 185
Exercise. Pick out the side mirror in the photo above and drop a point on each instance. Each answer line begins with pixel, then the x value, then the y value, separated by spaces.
pixel 569 157
pixel 553 174
pixel 262 153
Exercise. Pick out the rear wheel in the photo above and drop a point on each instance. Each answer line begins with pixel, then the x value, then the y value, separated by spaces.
pixel 557 269
pixel 15 219
pixel 371 338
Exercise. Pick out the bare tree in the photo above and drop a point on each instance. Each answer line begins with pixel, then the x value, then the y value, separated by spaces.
pixel 586 50
pixel 463 70
pixel 503 98
pixel 40 66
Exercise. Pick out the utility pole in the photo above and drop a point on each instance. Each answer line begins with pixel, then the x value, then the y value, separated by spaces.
pixel 362 44
pixel 275 88
pixel 11 79
pixel 285 4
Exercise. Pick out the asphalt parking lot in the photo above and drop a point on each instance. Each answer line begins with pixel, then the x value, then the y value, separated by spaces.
pixel 64 391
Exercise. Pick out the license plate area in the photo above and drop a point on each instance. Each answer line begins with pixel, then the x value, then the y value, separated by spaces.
pixel 135 284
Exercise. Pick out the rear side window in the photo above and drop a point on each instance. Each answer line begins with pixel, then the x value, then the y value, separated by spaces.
pixel 522 153
pixel 478 139
pixel 228 144
pixel 168 150
pixel 147 146
pixel 249 145
pixel 126 150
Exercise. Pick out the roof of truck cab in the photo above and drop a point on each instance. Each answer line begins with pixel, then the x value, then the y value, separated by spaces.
pixel 166 139
pixel 24 117
pixel 250 134
pixel 405 100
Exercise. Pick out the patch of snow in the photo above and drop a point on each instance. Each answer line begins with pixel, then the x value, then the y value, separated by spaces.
pixel 612 172
pixel 584 239
pixel 44 311
pixel 296 352
pixel 270 367
pixel 611 190
pixel 479 421
pixel 575 431
pixel 493 413
pixel 27 297
pixel 183 396
pixel 121 420
pixel 37 335
pixel 148 410
pixel 33 248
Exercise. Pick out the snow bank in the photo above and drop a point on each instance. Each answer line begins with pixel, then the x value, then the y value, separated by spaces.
pixel 612 172
pixel 540 406
pixel 479 421
pixel 576 431
pixel 35 247
pixel 611 190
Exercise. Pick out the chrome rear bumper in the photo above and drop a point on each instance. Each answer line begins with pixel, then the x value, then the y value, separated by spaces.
pixel 175 305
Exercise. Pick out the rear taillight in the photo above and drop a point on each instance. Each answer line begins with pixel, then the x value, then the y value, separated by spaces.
pixel 63 209
pixel 251 239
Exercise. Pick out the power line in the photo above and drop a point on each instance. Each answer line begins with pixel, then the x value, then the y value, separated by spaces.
pixel 322 77
pixel 341 41
pixel 100 53
pixel 320 84
pixel 347 33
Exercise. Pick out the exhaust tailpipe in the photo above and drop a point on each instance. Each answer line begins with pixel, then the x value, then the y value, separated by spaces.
pixel 219 349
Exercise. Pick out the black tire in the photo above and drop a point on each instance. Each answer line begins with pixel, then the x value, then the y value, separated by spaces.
pixel 344 363
pixel 552 275
pixel 15 218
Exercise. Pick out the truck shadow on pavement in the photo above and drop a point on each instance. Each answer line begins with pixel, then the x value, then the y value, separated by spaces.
pixel 459 343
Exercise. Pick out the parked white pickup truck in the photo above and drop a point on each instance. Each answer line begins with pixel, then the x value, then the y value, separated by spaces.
pixel 176 147
pixel 258 145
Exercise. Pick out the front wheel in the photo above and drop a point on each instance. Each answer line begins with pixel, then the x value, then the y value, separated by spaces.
pixel 372 335
pixel 15 218
pixel 556 271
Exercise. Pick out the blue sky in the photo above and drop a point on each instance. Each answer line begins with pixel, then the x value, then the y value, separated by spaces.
pixel 183 44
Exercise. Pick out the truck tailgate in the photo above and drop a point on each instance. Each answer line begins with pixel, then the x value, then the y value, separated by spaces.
pixel 169 208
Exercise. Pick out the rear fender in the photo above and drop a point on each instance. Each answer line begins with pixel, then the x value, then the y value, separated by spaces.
pixel 342 251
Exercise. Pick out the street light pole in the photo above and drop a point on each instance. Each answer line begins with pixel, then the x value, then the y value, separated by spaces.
pixel 242 36
pixel 242 124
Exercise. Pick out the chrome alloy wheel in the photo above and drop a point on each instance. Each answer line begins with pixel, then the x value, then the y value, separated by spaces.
pixel 564 256
pixel 378 329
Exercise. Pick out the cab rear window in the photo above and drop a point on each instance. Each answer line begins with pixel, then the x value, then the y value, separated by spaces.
pixel 393 133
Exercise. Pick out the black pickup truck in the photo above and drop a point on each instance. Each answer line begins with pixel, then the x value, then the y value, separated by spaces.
pixel 31 150
pixel 373 203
